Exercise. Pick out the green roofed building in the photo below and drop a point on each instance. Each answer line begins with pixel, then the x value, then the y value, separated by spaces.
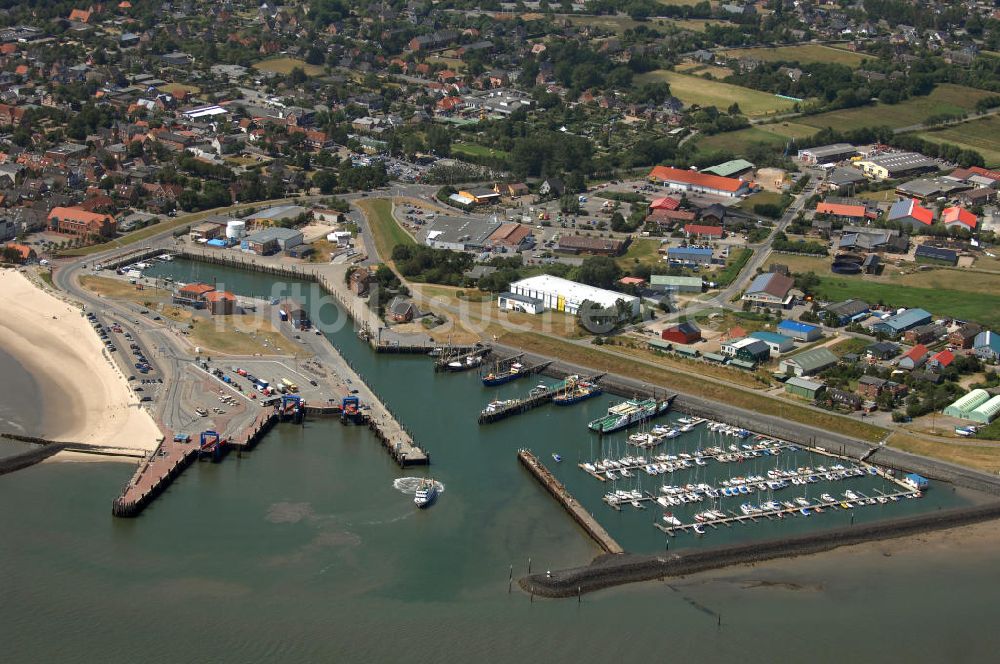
pixel 730 169
pixel 964 406
pixel 671 284
pixel 807 389
pixel 808 362
pixel 987 412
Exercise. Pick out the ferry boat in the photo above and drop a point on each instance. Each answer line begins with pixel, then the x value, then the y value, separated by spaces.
pixel 628 413
pixel 574 391
pixel 426 493
pixel 496 377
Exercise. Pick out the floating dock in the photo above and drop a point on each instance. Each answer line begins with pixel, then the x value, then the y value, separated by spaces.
pixel 518 406
pixel 559 492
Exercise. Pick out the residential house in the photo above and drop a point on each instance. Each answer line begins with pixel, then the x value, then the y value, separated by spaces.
pixel 965 336
pixel 700 233
pixel 400 310
pixel 924 334
pixel 914 358
pixel 882 350
pixel 959 217
pixel 940 360
pixel 910 213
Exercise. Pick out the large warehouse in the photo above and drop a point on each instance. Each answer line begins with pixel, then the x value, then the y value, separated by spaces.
pixel 686 180
pixel 565 295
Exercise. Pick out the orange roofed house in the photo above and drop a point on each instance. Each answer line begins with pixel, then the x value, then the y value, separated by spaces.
pixel 79 222
pixel 693 181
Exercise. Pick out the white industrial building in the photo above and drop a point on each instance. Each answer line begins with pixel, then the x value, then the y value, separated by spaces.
pixel 565 295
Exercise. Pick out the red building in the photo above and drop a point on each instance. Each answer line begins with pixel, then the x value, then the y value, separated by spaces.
pixel 684 333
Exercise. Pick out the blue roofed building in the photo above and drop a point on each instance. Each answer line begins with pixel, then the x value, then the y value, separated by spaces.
pixel 695 255
pixel 799 331
pixel 987 346
pixel 778 343
pixel 901 322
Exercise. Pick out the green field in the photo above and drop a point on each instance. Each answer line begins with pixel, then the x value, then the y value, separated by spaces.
pixel 694 90
pixel 980 307
pixel 982 135
pixel 760 198
pixel 642 251
pixel 803 53
pixel 946 99
pixel 737 142
pixel 286 65
pixel 386 232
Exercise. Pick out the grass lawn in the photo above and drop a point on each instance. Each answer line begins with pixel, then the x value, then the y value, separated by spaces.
pixel 990 432
pixel 616 24
pixel 641 251
pixel 689 382
pixel 476 150
pixel 776 135
pixel 679 3
pixel 697 68
pixel 945 98
pixel 802 53
pixel 983 458
pixel 736 261
pixel 286 65
pixel 120 289
pixel 982 135
pixel 881 195
pixel 975 306
pixel 695 24
pixel 241 335
pixel 695 90
pixel 174 88
pixel 385 230
pixel 760 198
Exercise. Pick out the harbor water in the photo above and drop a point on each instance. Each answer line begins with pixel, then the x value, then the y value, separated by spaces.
pixel 304 550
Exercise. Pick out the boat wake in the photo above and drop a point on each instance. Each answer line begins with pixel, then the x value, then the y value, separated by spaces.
pixel 409 485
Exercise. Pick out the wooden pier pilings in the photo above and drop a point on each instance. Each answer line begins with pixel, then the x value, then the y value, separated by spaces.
pixel 559 492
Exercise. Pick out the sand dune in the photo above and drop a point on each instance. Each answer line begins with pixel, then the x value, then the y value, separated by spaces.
pixel 85 398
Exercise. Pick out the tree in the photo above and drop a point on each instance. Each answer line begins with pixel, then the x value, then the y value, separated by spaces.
pixel 599 271
pixel 325 180
pixel 297 76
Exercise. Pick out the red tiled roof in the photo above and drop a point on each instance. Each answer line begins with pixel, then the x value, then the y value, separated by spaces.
pixel 944 358
pixel 628 281
pixel 214 295
pixel 671 174
pixel 665 203
pixel 698 229
pixel 916 352
pixel 78 215
pixel 957 214
pixel 979 170
pixel 841 210
pixel 197 289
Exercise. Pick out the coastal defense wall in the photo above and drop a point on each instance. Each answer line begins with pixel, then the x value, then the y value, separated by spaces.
pixel 559 492
pixel 786 430
pixel 607 571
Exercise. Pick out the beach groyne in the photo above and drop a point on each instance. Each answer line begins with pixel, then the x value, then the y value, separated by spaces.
pixel 586 521
pixel 28 458
pixel 607 571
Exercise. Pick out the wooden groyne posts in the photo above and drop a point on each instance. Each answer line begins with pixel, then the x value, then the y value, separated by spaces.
pixel 518 406
pixel 559 492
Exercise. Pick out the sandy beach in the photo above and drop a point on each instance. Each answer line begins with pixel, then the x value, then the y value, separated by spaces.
pixel 84 398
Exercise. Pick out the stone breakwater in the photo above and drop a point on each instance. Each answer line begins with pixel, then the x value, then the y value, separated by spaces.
pixel 613 570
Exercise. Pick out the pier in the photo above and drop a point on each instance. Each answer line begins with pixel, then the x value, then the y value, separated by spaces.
pixel 518 406
pixel 559 492
pixel 455 354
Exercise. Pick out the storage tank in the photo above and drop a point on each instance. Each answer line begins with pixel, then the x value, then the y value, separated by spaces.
pixel 235 230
